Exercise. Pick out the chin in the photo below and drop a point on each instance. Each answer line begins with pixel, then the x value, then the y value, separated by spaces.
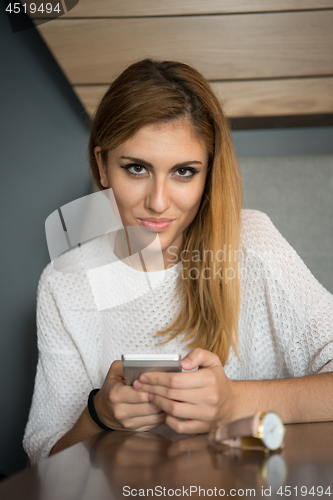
pixel 158 245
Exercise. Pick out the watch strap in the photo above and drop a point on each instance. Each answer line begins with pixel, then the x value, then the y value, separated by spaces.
pixel 244 427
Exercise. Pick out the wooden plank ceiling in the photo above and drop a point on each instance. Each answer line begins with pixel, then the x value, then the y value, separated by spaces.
pixel 262 57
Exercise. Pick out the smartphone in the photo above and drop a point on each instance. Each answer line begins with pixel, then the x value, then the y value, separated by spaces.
pixel 136 364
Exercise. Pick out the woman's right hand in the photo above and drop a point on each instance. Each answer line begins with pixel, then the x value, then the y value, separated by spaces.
pixel 121 407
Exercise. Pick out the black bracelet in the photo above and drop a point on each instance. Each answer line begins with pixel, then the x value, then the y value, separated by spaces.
pixel 93 413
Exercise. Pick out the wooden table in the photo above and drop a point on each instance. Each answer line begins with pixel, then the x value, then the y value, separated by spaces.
pixel 163 464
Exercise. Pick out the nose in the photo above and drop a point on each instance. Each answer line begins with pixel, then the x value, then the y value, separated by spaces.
pixel 158 197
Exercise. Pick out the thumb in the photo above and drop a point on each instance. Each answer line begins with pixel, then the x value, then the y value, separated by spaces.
pixel 116 370
pixel 200 358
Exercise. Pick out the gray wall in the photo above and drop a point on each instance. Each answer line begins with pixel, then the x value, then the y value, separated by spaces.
pixel 43 160
pixel 288 174
pixel 297 194
pixel 284 142
pixel 43 165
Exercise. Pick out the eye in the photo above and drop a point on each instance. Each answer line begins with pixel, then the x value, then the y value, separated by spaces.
pixel 135 169
pixel 186 173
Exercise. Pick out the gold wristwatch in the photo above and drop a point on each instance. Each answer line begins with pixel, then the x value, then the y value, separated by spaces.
pixel 264 431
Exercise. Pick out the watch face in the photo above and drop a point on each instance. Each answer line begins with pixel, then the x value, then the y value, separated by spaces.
pixel 272 431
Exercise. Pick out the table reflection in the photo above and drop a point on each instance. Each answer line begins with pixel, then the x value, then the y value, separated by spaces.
pixel 117 465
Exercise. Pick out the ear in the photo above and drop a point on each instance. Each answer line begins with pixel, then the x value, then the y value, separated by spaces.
pixel 101 167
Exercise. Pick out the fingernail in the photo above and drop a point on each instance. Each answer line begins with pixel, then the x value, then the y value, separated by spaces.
pixel 186 362
pixel 150 397
pixel 143 379
pixel 137 384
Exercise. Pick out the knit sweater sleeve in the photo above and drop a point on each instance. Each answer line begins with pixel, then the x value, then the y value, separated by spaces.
pixel 299 308
pixel 62 382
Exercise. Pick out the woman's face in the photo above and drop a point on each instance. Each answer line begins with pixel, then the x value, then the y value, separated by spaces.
pixel 158 178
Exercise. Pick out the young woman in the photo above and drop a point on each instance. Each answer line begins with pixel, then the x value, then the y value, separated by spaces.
pixel 236 300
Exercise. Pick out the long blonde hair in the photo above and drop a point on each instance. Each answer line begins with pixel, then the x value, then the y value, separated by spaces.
pixel 152 91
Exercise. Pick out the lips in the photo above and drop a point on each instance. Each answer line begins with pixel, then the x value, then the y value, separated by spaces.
pixel 155 224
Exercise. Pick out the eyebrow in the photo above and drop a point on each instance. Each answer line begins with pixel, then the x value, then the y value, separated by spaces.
pixel 147 164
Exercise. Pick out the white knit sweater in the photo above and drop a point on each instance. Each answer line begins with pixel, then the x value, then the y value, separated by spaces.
pixel 285 327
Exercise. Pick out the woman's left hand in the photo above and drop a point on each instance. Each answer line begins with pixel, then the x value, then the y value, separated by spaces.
pixel 200 396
